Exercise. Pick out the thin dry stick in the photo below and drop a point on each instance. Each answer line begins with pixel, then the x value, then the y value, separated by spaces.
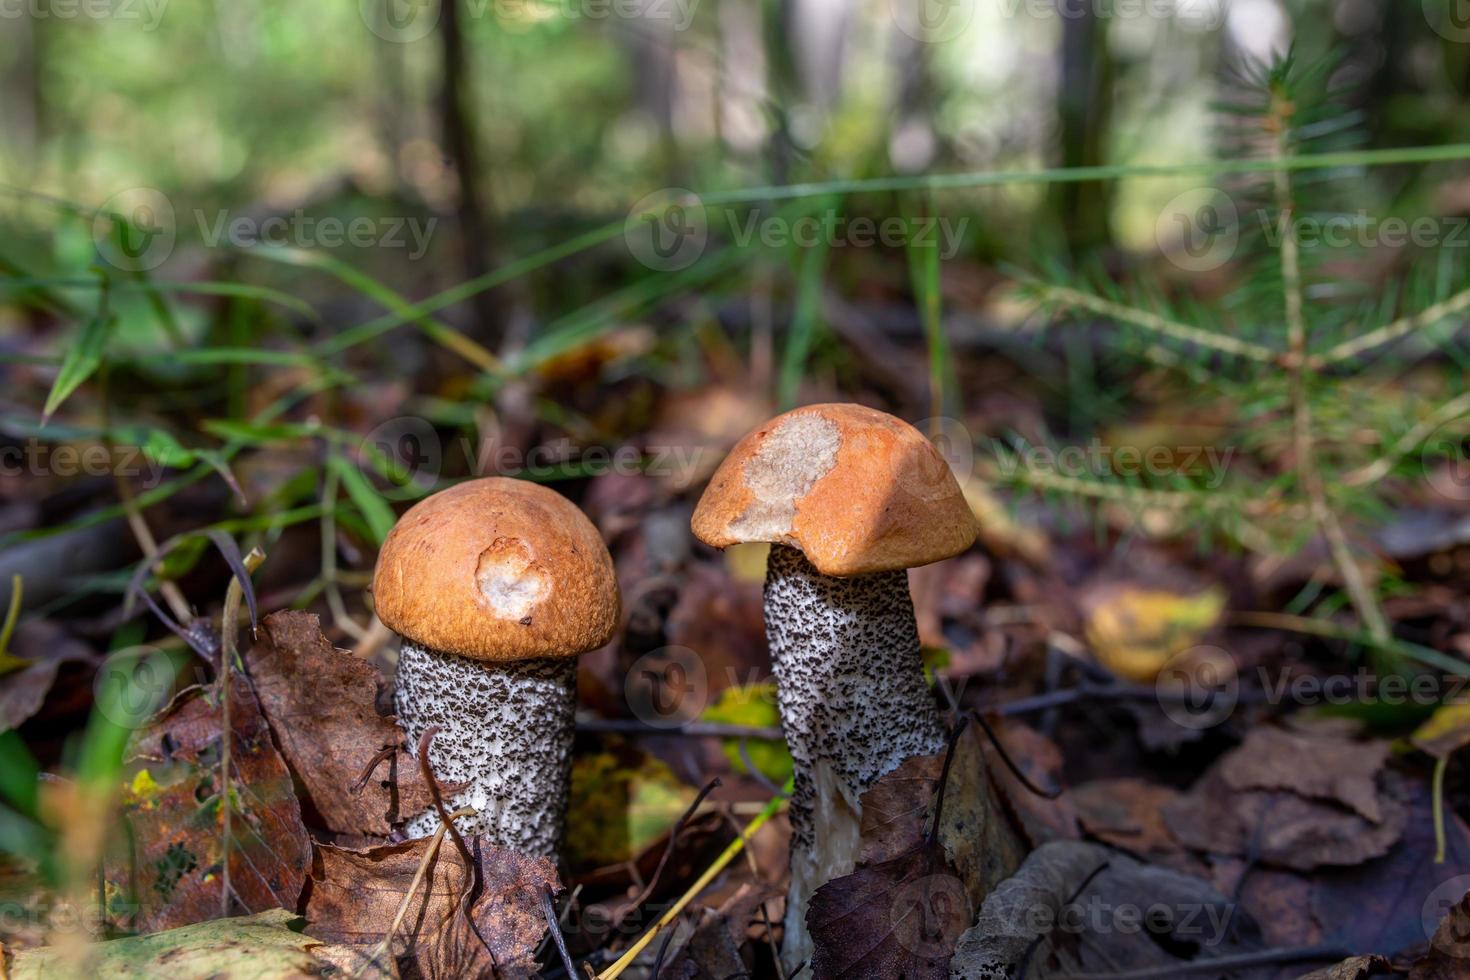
pixel 1298 365
pixel 1064 296
pixel 700 883
pixel 549 910
pixel 1381 467
pixel 413 887
pixel 1401 327
pixel 229 628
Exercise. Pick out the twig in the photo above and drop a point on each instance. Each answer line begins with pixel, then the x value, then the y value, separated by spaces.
pixel 1221 964
pixel 1403 326
pixel 1298 365
pixel 382 756
pixel 726 856
pixel 658 961
pixel 1437 801
pixel 698 729
pixel 1005 757
pixel 413 888
pixel 12 614
pixel 228 636
pixel 1408 442
pixel 1065 296
pixel 554 927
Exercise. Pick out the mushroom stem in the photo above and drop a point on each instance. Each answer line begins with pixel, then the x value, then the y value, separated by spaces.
pixel 505 729
pixel 854 705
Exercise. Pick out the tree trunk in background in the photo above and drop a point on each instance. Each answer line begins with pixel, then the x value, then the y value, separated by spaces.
pixel 1084 115
pixel 23 113
pixel 461 143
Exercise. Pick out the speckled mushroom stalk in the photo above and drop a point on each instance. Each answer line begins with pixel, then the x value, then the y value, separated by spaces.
pixel 849 499
pixel 854 705
pixel 517 774
pixel 495 587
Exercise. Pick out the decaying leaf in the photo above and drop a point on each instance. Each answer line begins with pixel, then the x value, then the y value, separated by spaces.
pixel 712 950
pixel 1293 801
pixel 355 895
pixel 1392 905
pixel 1135 629
pixel 38 650
pixel 1128 814
pixel 1448 957
pixel 321 704
pixel 1332 769
pixel 1040 818
pixel 166 871
pixel 897 918
pixel 977 834
pixel 256 947
pixel 901 911
pixel 1079 908
pixel 1354 968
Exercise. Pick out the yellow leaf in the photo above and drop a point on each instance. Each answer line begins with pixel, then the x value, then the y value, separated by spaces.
pixel 1134 631
pixel 621 801
pixel 1446 732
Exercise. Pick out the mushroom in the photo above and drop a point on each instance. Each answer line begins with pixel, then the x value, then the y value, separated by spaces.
pixel 495 587
pixel 849 498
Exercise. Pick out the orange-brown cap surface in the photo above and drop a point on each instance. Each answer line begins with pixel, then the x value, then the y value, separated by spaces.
pixel 497 569
pixel 857 490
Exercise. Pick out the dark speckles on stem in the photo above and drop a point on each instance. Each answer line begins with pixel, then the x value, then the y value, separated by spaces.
pixel 506 730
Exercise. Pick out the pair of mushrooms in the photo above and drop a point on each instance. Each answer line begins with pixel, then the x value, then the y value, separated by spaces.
pixel 496 585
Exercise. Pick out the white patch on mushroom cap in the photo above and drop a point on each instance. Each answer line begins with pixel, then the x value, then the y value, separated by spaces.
pixel 507 578
pixel 798 453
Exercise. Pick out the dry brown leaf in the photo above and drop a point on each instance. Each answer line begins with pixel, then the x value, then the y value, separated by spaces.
pixel 1355 968
pixel 321 703
pixel 1318 768
pixel 1128 813
pixel 1281 828
pixel 43 649
pixel 167 869
pixel 355 895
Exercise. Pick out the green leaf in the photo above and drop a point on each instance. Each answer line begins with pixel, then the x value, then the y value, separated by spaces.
pixel 365 497
pixel 82 359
